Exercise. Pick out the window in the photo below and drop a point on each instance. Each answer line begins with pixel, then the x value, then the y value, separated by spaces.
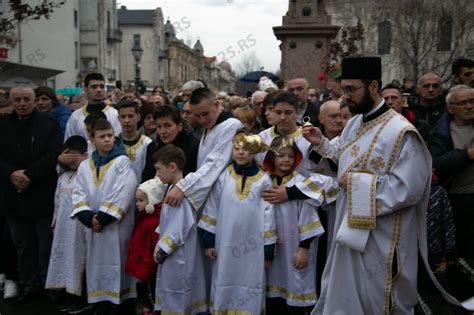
pixel 385 37
pixel 445 29
pixel 75 18
pixel 136 39
pixel 76 55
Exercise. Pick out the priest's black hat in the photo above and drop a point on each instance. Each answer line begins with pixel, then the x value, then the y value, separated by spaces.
pixel 361 68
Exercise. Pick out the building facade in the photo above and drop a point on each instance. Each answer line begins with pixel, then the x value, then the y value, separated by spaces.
pixel 411 37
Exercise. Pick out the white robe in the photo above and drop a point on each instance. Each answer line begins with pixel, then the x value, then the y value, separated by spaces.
pixel 76 127
pixel 372 264
pixel 111 192
pixel 137 154
pixel 243 223
pixel 68 252
pixel 215 153
pixel 318 187
pixel 180 285
pixel 296 221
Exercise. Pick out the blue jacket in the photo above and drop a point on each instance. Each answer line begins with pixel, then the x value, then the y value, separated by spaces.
pixel 62 114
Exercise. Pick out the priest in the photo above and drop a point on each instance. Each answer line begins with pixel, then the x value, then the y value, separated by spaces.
pixel 384 171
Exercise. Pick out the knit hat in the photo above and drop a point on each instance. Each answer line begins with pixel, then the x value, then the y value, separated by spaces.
pixel 155 191
pixel 265 83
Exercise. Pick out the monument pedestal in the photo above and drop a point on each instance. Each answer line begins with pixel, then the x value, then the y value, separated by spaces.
pixel 305 38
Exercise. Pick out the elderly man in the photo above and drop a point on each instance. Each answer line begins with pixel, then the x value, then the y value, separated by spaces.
pixel 429 106
pixel 453 158
pixel 30 142
pixel 299 86
pixel 189 87
pixel 463 72
pixel 381 209
pixel 257 103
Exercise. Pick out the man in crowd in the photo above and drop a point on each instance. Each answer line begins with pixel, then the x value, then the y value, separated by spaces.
pixel 94 87
pixel 312 95
pixel 31 142
pixel 256 104
pixel 463 72
pixel 394 99
pixel 429 105
pixel 453 159
pixel 299 86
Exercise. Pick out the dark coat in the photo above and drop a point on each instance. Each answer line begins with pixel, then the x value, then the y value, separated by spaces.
pixel 32 144
pixel 447 161
pixel 186 140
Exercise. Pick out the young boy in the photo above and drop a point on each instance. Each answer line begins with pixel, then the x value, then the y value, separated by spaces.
pixel 102 199
pixel 134 141
pixel 68 252
pixel 180 287
pixel 292 275
pixel 241 232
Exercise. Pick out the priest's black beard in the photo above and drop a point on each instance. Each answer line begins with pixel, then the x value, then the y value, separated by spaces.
pixel 364 106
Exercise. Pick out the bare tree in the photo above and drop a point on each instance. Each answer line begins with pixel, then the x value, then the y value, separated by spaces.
pixel 346 44
pixel 422 34
pixel 20 12
pixel 431 34
pixel 248 63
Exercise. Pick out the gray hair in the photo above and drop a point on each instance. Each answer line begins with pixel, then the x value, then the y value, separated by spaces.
pixel 430 72
pixel 258 93
pixel 455 89
pixel 22 87
pixel 192 85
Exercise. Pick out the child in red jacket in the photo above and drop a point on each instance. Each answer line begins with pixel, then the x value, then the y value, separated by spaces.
pixel 140 262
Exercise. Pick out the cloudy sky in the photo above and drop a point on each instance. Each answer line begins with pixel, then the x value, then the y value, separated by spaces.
pixel 228 29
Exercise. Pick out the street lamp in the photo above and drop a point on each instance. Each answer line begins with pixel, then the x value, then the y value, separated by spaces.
pixel 137 53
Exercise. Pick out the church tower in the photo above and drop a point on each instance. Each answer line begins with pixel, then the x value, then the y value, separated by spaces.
pixel 305 38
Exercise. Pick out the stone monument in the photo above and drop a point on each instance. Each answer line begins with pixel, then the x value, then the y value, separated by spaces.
pixel 305 38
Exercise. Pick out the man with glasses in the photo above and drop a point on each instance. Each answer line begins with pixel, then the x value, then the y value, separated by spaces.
pixel 429 105
pixel 94 87
pixel 381 208
pixel 453 158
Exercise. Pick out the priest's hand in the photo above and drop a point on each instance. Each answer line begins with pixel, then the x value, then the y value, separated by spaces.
pixel 343 181
pixel 301 259
pixel 275 195
pixel 174 197
pixel 312 134
pixel 96 226
pixel 20 180
pixel 211 253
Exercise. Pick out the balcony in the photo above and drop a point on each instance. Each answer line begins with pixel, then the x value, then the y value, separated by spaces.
pixel 114 36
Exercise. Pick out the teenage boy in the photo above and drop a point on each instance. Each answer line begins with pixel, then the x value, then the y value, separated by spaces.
pixel 94 87
pixel 135 142
pixel 102 201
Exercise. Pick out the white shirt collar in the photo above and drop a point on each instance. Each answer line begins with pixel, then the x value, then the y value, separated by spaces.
pixel 375 109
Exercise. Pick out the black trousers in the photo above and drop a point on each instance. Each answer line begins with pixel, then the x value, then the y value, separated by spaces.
pixel 9 261
pixel 463 209
pixel 32 238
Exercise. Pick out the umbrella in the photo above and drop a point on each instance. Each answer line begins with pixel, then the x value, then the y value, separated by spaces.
pixel 254 76
pixel 69 91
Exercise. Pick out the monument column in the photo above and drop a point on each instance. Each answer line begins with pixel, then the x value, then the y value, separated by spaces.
pixel 305 39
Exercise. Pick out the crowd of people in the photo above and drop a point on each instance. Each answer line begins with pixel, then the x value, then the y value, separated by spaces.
pixel 357 199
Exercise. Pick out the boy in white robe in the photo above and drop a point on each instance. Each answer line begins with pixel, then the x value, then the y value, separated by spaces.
pixel 135 142
pixel 240 233
pixel 215 149
pixel 94 87
pixel 67 261
pixel 180 286
pixel 291 277
pixel 102 201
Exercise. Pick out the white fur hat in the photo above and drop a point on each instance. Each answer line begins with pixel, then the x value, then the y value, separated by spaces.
pixel 265 83
pixel 155 191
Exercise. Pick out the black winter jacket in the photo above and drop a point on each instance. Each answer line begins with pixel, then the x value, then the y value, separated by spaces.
pixel 32 144
pixel 447 161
